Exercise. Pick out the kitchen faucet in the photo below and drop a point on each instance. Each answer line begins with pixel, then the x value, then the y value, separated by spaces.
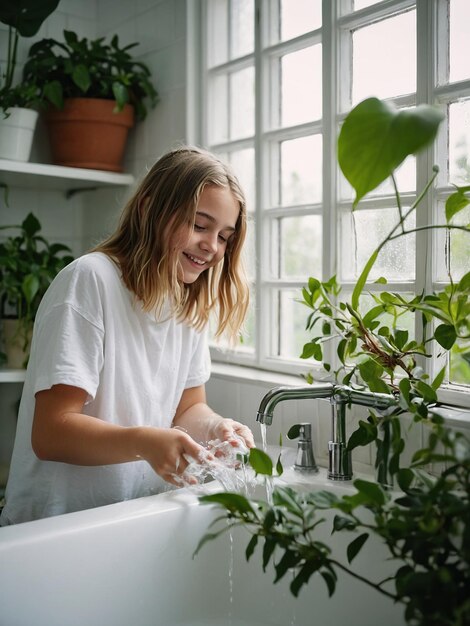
pixel 340 464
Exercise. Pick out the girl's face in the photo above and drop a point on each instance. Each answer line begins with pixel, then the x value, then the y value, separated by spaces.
pixel 216 217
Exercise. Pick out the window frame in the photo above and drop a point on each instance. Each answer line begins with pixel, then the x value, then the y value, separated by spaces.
pixel 334 36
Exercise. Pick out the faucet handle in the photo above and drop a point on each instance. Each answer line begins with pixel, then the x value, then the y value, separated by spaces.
pixel 305 461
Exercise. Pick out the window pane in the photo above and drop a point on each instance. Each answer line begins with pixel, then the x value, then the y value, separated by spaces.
pixel 301 171
pixel 384 58
pixel 459 142
pixel 249 252
pixel 360 4
pixel 247 340
pixel 359 239
pixel 458 48
pixel 217 25
pixel 242 103
pixel 243 163
pixel 459 365
pixel 301 86
pixel 217 104
pixel 242 28
pixel 300 246
pixel 453 247
pixel 298 17
pixel 291 317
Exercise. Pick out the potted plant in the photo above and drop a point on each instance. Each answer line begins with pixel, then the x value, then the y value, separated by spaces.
pixel 91 91
pixel 424 525
pixel 28 264
pixel 17 118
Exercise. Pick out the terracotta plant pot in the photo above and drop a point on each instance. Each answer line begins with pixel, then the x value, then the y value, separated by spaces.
pixel 86 133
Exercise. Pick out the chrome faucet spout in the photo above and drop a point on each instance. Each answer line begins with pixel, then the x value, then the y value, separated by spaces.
pixel 278 394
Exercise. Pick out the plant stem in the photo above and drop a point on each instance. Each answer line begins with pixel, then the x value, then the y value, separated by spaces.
pixel 397 196
pixel 365 580
pixel 429 227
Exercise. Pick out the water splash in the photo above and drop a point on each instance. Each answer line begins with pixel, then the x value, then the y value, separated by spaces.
pixel 222 461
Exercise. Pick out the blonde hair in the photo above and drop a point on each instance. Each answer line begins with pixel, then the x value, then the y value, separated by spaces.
pixel 168 196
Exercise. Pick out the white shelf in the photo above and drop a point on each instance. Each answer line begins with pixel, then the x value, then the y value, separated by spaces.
pixel 57 177
pixel 12 376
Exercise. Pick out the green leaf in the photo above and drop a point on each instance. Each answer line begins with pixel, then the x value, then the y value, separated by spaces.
pixel 464 283
pixel 365 434
pixel 372 491
pixel 31 225
pixel 439 379
pixel 28 15
pixel 54 93
pixel 323 499
pixel 293 432
pixel 303 576
pixel 401 337
pixel 340 523
pixel 370 369
pixel 355 546
pixel 30 287
pixel 361 281
pixel 456 202
pixel 250 548
pixel 261 462
pixel 445 336
pixel 427 392
pixel 268 550
pixel 121 93
pixel 81 77
pixel 405 477
pixel 330 581
pixel 289 559
pixel 376 138
pixel 279 467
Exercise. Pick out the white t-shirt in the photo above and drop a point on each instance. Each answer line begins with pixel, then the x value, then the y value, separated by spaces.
pixel 90 332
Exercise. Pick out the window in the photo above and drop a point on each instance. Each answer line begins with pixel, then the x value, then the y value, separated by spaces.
pixel 280 76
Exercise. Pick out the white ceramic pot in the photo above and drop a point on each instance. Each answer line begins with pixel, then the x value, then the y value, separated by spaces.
pixel 16 133
pixel 14 344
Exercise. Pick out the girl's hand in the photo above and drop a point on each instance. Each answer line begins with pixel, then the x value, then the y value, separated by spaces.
pixel 229 430
pixel 166 450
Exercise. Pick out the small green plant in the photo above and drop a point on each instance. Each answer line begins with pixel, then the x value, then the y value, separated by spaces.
pixel 23 17
pixel 374 350
pixel 28 264
pixel 82 68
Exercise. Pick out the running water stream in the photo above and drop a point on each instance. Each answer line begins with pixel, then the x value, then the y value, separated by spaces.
pixel 224 462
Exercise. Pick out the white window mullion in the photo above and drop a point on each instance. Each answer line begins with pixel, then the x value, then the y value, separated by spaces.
pixel 426 71
pixel 329 117
pixel 262 244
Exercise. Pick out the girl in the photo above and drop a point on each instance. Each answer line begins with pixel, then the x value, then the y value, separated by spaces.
pixel 113 402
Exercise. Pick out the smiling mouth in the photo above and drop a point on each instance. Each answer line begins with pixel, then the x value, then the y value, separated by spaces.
pixel 195 260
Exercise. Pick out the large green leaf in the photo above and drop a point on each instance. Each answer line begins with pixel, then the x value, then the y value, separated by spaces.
pixel 456 202
pixel 376 138
pixel 26 15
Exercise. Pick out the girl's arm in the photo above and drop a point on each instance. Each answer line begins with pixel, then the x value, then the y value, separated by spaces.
pixel 199 420
pixel 61 432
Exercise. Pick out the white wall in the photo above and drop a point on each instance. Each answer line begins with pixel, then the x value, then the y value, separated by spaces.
pixel 160 28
